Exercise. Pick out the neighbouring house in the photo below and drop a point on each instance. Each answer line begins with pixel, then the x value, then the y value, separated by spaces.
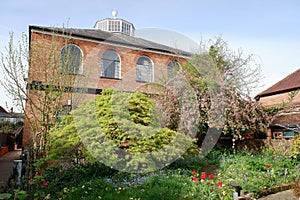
pixel 11 127
pixel 11 116
pixel 106 56
pixel 283 98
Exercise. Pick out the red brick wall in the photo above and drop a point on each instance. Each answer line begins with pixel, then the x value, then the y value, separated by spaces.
pixel 92 52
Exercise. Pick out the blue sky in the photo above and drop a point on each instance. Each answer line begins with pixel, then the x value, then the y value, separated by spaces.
pixel 270 29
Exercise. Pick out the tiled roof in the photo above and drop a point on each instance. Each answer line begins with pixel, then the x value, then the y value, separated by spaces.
pixel 114 38
pixel 289 83
pixel 287 119
pixel 2 110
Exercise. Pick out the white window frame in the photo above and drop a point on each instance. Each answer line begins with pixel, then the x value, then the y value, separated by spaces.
pixel 117 68
pixel 62 65
pixel 148 79
pixel 170 68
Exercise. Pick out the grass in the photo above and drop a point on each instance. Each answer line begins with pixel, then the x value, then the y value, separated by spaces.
pixel 96 181
pixel 250 171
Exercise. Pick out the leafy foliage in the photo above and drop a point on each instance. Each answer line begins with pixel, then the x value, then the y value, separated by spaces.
pixel 181 180
pixel 13 131
pixel 222 80
pixel 234 168
pixel 244 115
pixel 296 146
pixel 65 142
pixel 130 129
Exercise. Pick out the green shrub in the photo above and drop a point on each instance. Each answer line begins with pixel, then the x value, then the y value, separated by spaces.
pixel 296 147
pixel 119 128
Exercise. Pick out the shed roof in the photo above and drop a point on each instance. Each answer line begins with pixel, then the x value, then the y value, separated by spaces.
pixel 289 83
pixel 287 119
pixel 113 38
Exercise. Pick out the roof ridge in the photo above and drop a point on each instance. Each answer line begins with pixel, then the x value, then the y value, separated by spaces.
pixel 116 38
pixel 290 82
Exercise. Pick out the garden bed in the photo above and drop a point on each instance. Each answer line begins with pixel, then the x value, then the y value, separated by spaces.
pixel 276 189
pixel 187 178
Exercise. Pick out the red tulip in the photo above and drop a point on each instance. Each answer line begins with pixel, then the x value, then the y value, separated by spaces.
pixel 194 172
pixel 268 166
pixel 220 184
pixel 211 176
pixel 195 179
pixel 203 175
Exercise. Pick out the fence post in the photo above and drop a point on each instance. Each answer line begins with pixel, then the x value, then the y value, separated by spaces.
pixel 17 169
pixel 26 162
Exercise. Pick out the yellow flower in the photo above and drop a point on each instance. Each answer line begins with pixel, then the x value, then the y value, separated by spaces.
pixel 47 197
pixel 224 193
pixel 202 180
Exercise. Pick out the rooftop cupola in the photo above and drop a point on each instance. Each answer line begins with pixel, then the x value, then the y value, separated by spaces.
pixel 115 25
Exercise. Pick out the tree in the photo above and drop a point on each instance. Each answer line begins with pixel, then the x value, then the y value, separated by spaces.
pixel 241 73
pixel 222 81
pixel 42 89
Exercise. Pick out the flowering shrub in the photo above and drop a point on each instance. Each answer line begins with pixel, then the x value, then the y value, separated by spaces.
pixel 38 185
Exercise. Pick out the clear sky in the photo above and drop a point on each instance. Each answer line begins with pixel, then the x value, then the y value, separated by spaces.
pixel 270 29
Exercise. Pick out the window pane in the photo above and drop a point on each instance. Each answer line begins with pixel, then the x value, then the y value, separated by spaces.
pixel 144 70
pixel 71 59
pixel 173 68
pixel 110 64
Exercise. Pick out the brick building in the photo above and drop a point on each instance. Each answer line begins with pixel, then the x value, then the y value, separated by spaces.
pixel 283 95
pixel 106 56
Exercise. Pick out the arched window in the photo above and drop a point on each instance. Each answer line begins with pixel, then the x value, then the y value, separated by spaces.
pixel 110 64
pixel 144 69
pixel 71 59
pixel 173 68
